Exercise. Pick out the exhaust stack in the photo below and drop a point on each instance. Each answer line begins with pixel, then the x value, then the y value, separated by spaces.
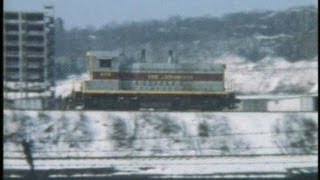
pixel 143 55
pixel 170 58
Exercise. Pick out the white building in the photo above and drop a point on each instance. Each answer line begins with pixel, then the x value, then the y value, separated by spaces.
pixel 280 103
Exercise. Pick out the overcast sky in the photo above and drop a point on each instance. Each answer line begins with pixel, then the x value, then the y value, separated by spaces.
pixel 100 12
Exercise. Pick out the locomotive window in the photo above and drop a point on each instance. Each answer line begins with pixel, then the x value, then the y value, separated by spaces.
pixel 106 63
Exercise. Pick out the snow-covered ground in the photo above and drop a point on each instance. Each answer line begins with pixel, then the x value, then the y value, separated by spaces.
pixel 195 166
pixel 64 87
pixel 99 135
pixel 143 133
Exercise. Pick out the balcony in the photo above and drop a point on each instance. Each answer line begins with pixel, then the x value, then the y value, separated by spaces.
pixel 32 50
pixel 12 60
pixel 12 27
pixel 35 79
pixel 35 60
pixel 33 16
pixel 35 54
pixel 12 75
pixel 35 66
pixel 12 53
pixel 33 43
pixel 12 65
pixel 29 89
pixel 12 43
pixel 28 22
pixel 34 32
pixel 31 26
pixel 12 37
pixel 11 78
pixel 12 32
pixel 34 35
pixel 11 21
pixel 11 15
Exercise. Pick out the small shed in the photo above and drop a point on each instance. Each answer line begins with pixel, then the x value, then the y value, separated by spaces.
pixel 274 103
pixel 28 103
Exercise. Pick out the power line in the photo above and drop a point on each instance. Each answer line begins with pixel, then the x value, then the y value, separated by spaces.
pixel 167 149
pixel 184 137
pixel 172 156
pixel 189 163
pixel 262 68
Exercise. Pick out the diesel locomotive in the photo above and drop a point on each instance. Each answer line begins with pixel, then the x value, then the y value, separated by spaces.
pixel 120 83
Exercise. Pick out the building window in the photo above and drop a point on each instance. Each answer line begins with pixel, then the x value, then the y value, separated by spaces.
pixel 105 63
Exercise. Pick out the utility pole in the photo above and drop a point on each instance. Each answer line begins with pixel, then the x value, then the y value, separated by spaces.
pixel 24 58
pixel 49 75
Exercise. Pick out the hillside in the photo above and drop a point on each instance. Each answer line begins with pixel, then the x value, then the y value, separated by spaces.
pixel 154 133
pixel 289 34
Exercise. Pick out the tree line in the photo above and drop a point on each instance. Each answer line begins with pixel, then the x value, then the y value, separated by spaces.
pixel 291 34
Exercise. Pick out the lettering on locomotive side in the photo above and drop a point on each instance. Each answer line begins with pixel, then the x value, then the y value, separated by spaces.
pixel 105 74
pixel 157 76
pixel 169 77
pixel 153 77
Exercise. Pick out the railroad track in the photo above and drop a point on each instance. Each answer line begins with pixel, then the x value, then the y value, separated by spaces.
pixel 179 166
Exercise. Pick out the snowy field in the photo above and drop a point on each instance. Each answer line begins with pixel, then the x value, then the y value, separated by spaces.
pixel 145 133
pixel 158 142
pixel 175 167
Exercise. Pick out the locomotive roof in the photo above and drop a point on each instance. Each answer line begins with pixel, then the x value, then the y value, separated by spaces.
pixel 104 54
pixel 150 65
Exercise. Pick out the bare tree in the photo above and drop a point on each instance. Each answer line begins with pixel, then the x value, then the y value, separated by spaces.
pixel 296 134
pixel 216 134
pixel 120 133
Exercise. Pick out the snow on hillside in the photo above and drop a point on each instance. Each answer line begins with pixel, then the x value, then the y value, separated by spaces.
pixel 57 133
pixel 262 37
pixel 73 82
pixel 268 76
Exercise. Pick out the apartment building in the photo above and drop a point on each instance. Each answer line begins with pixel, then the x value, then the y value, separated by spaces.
pixel 28 60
